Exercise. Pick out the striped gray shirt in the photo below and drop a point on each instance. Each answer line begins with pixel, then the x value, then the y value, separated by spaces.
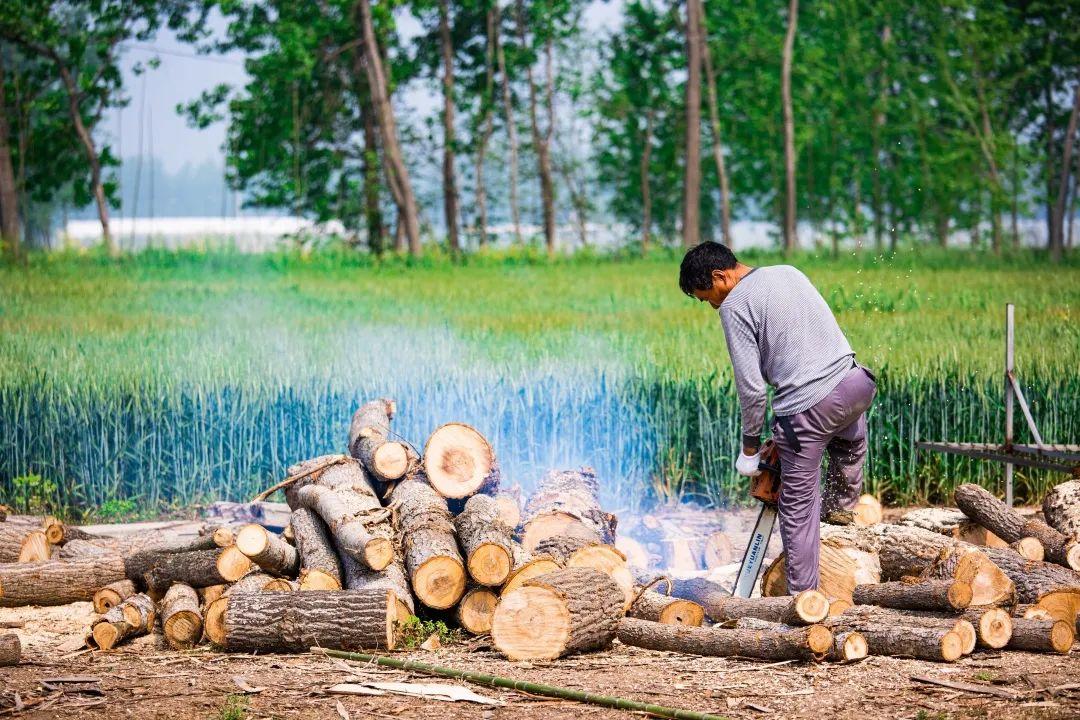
pixel 781 332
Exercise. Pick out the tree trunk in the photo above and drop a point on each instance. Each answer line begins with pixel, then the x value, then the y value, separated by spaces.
pixel 1061 508
pixel 692 170
pixel 1011 526
pixel 567 503
pixel 57 582
pixel 485 541
pixel 112 595
pixel 526 567
pixel 511 127
pixel 131 618
pixel 372 212
pixel 295 622
pixel 10 650
pixel 791 238
pixel 357 577
pixel 651 605
pixel 385 460
pixel 1047 585
pixel 459 462
pixel 541 139
pixel 9 191
pixel 380 95
pixel 643 170
pixel 1029 548
pixel 450 199
pixel 568 611
pixel 886 616
pixel 268 551
pixel 1042 636
pixel 181 618
pixel 197 568
pixel 714 120
pixel 487 124
pixel 320 566
pixel 570 551
pixel 806 608
pixel 923 595
pixel 426 529
pixel 937 644
pixel 1057 224
pixel 776 645
pixel 477 609
pixel 848 646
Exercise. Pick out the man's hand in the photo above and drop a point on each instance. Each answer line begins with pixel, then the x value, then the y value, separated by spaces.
pixel 747 464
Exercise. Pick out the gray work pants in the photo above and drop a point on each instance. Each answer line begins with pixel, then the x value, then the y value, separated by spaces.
pixel 836 425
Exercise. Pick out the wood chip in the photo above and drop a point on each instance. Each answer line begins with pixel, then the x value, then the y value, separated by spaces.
pixel 243 685
pixel 967 687
pixel 342 711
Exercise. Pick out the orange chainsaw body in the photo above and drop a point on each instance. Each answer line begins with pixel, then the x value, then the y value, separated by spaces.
pixel 766 485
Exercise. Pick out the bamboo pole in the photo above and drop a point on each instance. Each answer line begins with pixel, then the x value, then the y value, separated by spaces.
pixel 522 685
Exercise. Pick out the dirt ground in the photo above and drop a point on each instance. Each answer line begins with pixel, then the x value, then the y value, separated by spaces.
pixel 145 679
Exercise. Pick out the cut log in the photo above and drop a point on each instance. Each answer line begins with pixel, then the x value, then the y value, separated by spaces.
pixel 12 537
pixel 925 594
pixel 936 644
pixel 197 568
pixel 966 563
pixel 848 646
pixel 459 462
pixel 1011 526
pixel 209 594
pixel 1042 636
pixel 485 541
pixel 302 474
pixel 526 567
pixel 181 617
pixel 953 523
pixel 718 550
pixel 53 528
pixel 816 637
pixel 385 460
pixel 841 567
pixel 10 650
pixel 133 617
pixel 477 609
pixel 509 508
pixel 636 554
pixel 567 611
pixel 806 608
pixel 1047 585
pixel 838 606
pixel 112 595
pixel 35 548
pixel 320 566
pixel 1031 612
pixel 268 551
pixel 75 549
pixel 348 505
pixel 567 503
pixel 426 532
pixel 256 581
pixel 609 560
pixel 651 605
pixel 867 510
pixel 1029 548
pixel 222 536
pixel 915 618
pixel 715 642
pixel 57 582
pixel 1061 508
pixel 392 578
pixel 294 622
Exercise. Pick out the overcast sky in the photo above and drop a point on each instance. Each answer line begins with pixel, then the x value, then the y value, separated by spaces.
pixel 182 75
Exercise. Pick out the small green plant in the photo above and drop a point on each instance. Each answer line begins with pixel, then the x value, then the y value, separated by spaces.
pixel 924 715
pixel 117 509
pixel 985 676
pixel 414 631
pixel 34 494
pixel 235 708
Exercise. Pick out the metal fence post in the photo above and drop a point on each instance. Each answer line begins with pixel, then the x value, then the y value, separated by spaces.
pixel 1008 401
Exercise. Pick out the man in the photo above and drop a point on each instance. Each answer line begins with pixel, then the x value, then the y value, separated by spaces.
pixel 781 332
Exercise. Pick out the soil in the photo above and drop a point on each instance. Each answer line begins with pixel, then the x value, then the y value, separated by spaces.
pixel 145 679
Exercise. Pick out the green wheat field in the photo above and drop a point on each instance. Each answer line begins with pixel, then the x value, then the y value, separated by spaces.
pixel 168 378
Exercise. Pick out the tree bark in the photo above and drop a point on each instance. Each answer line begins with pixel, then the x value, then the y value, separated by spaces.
pixel 1057 226
pixel 923 595
pixel 653 606
pixel 295 622
pixel 9 191
pixel 936 644
pixel 806 608
pixel 10 650
pixel 816 637
pixel 57 582
pixel 714 120
pixel 791 238
pixel 181 617
pixel 963 627
pixel 541 139
pixel 488 123
pixel 450 199
pixel 112 595
pixel 485 541
pixel 131 618
pixel 1061 508
pixel 692 170
pixel 197 568
pixel 568 611
pixel 426 532
pixel 1011 526
pixel 716 642
pixel 511 127
pixel 392 578
pixel 1042 636
pixel 268 551
pixel 526 567
pixel 459 462
pixel 643 171
pixel 320 566
pixel 477 609
pixel 1044 584
pixel 567 502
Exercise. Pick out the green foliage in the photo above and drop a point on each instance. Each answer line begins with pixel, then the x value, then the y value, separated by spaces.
pixel 34 495
pixel 234 708
pixel 414 631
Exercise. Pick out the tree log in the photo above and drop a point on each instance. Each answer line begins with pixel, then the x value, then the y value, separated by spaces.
pixel 35 548
pixel 295 622
pixel 567 503
pixel 915 618
pixel 268 551
pixel 133 617
pixel 848 646
pixel 1042 635
pixel 526 567
pixel 1029 548
pixel 392 578
pixel 348 505
pixel 867 510
pixel 12 537
pixel 112 595
pixel 57 582
pixel 477 609
pixel 320 566
pixel 936 644
pixel 1061 508
pixel 806 608
pixel 651 605
pixel 567 611
pixel 1011 526
pixel 53 528
pixel 1047 585
pixel 841 568
pixel 426 533
pixel 385 460
pixel 966 563
pixel 459 462
pixel 716 642
pixel 10 650
pixel 181 617
pixel 816 637
pixel 919 595
pixel 485 541
pixel 509 507
pixel 993 626
pixel 211 593
pixel 197 568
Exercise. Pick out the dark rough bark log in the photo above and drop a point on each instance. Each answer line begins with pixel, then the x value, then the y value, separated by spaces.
pixel 651 605
pixel 426 534
pixel 294 622
pixel 181 617
pixel 923 643
pixel 1042 636
pixel 12 536
pixel 393 578
pixel 197 568
pixel 526 567
pixel 459 462
pixel 348 505
pixel 320 566
pixel 131 618
pixel 10 650
pixel 1011 526
pixel 477 609
pixel 1061 508
pixel 716 642
pixel 567 611
pixel 112 595
pixel 570 551
pixel 268 551
pixel 915 618
pixel 816 637
pixel 385 460
pixel 925 594
pixel 806 608
pixel 848 646
pixel 57 582
pixel 485 541
pixel 567 502
pixel 1047 585
pixel 965 563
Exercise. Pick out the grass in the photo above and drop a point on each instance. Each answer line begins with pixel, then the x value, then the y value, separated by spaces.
pixel 173 376
pixel 234 708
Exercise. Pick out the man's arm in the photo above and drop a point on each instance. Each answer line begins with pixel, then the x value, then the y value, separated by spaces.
pixel 746 361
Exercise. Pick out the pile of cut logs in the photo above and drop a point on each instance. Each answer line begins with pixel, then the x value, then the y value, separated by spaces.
pixel 384 533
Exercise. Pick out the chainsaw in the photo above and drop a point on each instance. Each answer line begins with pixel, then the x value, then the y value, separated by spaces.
pixel 765 486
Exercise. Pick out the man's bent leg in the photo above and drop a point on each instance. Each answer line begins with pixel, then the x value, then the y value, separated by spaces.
pixel 800 503
pixel 844 477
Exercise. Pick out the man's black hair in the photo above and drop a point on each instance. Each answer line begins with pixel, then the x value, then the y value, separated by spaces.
pixel 698 264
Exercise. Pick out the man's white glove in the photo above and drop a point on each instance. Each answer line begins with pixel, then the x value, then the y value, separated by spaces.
pixel 748 464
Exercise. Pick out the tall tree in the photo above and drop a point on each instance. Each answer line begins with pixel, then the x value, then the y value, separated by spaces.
pixel 691 226
pixel 714 120
pixel 791 239
pixel 510 122
pixel 1057 224
pixel 9 192
pixel 450 200
pixel 487 114
pixel 541 135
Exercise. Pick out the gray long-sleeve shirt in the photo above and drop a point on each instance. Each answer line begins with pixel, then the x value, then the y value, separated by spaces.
pixel 781 332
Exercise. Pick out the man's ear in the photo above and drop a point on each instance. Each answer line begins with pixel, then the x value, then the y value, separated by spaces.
pixel 719 277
